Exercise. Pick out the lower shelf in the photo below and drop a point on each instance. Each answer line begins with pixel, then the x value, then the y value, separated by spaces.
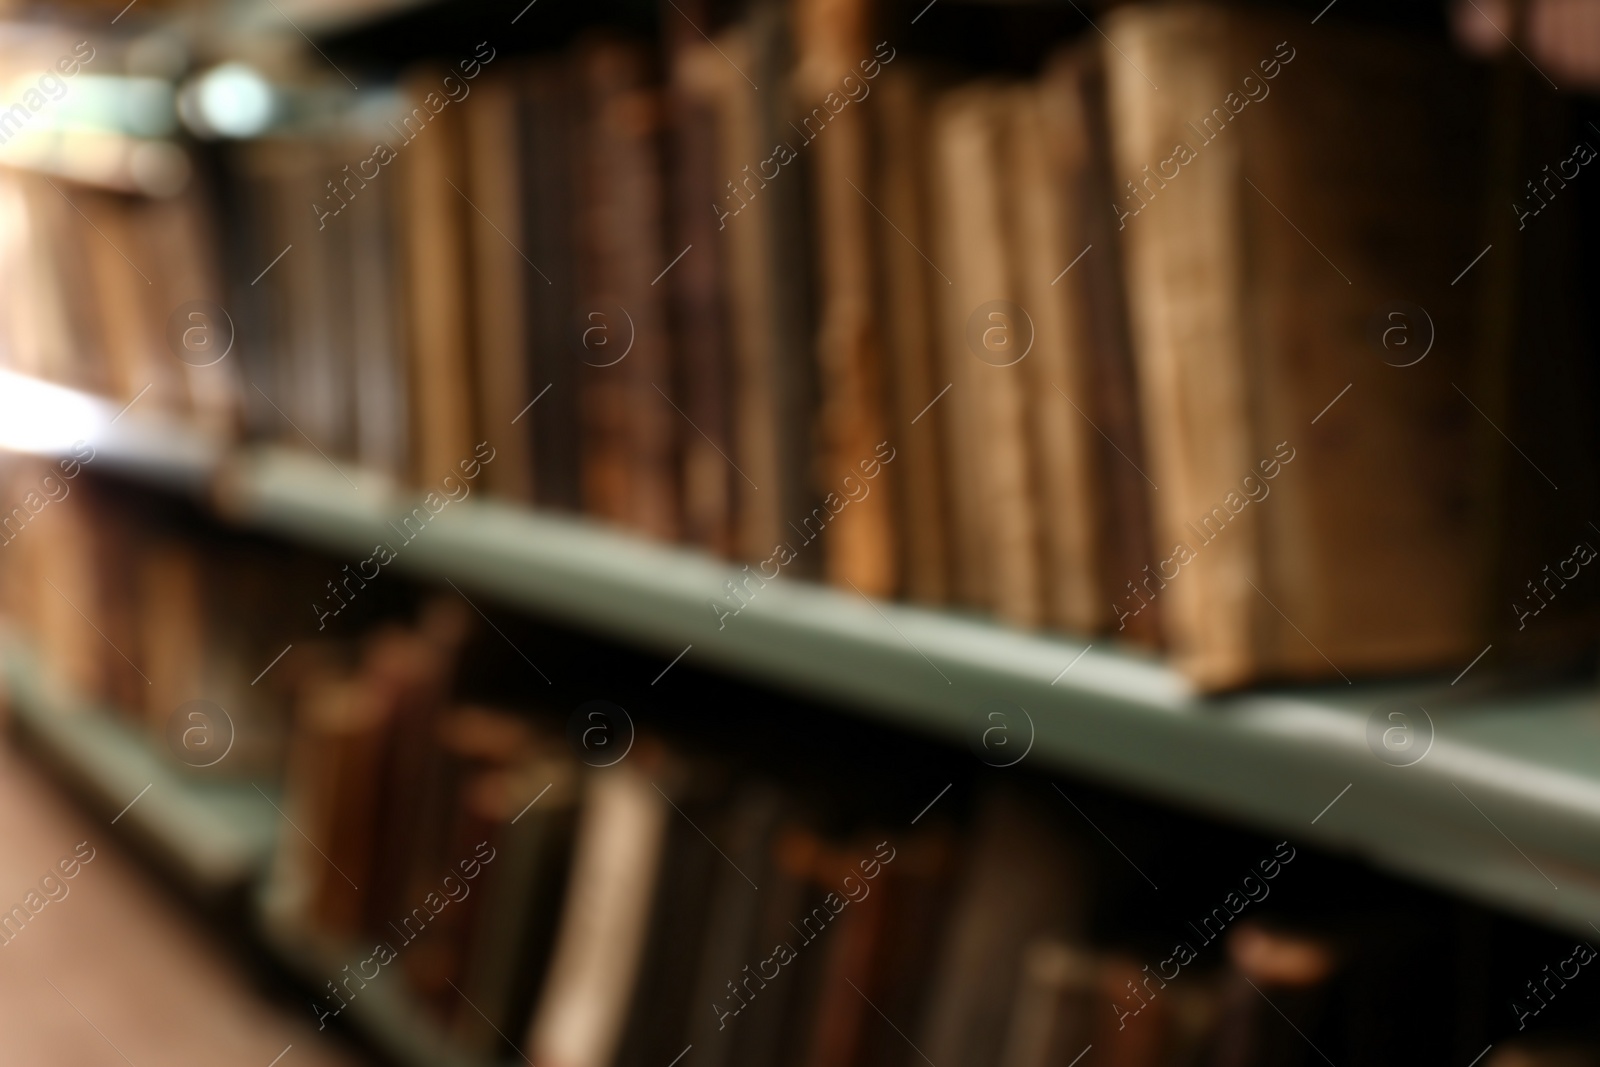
pixel 215 836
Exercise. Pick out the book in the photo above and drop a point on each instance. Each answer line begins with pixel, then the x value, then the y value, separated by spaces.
pixel 1021 880
pixel 1252 275
pixel 437 263
pixel 617 857
pixel 911 285
pixel 630 430
pixel 852 402
pixel 698 288
pixel 493 119
pixel 987 338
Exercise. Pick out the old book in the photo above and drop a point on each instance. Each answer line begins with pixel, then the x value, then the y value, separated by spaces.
pixel 313 394
pixel 622 830
pixel 1253 278
pixel 493 122
pixel 132 359
pixel 172 628
pixel 917 885
pixel 331 794
pixel 1022 881
pixel 534 806
pixel 732 937
pixel 630 430
pixel 1072 102
pixel 910 286
pixel 460 783
pixel 179 236
pixel 555 328
pixel 663 1010
pixel 378 346
pixel 432 218
pixel 986 339
pixel 1274 999
pixel 1055 1010
pixel 759 223
pixel 830 38
pixel 1046 239
pixel 699 307
pixel 410 673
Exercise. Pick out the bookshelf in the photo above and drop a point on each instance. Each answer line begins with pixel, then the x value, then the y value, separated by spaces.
pixel 1504 808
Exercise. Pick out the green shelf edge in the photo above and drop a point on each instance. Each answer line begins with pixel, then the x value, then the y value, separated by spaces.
pixel 1504 809
pixel 216 835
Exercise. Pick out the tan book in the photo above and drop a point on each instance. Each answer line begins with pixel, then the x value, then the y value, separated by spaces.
pixel 494 182
pixel 911 286
pixel 1046 240
pixel 985 338
pixel 1308 533
pixel 432 218
pixel 830 38
pixel 622 829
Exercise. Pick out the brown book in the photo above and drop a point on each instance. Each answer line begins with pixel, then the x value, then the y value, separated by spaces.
pixel 331 796
pixel 760 225
pixel 663 1011
pixel 1262 232
pixel 493 121
pixel 853 410
pixel 378 346
pixel 916 886
pixel 1078 144
pixel 122 290
pixel 556 326
pixel 630 430
pixel 734 936
pixel 180 239
pixel 1022 881
pixel 459 785
pixel 433 220
pixel 534 809
pixel 409 672
pixel 172 627
pixel 910 286
pixel 700 322
pixel 65 586
pixel 1274 999
pixel 1054 1016
pixel 986 337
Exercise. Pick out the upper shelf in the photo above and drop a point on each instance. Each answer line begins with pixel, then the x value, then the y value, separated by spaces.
pixel 1504 807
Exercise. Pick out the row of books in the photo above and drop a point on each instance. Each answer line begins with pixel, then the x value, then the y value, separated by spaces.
pixel 1180 365
pixel 525 889
pixel 576 904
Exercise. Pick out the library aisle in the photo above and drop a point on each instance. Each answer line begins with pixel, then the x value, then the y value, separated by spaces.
pixel 114 972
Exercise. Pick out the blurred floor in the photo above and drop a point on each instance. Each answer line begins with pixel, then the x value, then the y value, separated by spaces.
pixel 138 974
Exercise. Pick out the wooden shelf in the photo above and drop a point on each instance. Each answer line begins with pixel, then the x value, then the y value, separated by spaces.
pixel 1504 808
